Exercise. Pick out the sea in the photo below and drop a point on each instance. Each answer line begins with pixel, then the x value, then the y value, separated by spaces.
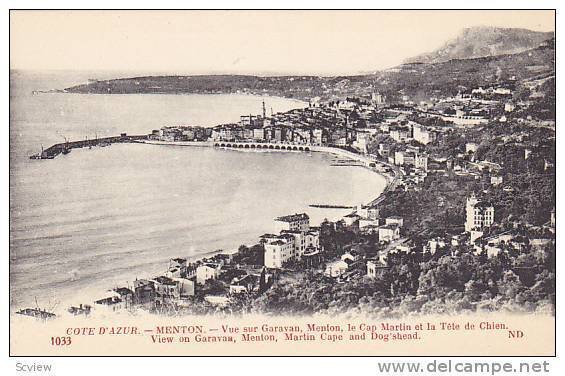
pixel 99 218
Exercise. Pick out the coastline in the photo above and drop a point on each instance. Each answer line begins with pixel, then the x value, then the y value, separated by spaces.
pixel 234 248
pixel 95 293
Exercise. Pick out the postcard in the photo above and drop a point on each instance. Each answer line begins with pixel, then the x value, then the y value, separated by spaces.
pixel 313 183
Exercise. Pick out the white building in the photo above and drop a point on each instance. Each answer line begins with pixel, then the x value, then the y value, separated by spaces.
pixel 394 220
pixel 295 222
pixel 509 107
pixel 400 134
pixel 258 134
pixel 399 158
pixel 361 141
pixel 373 266
pixel 388 233
pixel 245 284
pixel 278 251
pixel 207 271
pixel 478 214
pixel 496 180
pixel 166 290
pixel 421 162
pixel 186 286
pixel 336 268
pixel 302 240
pixel 378 98
pixel 471 147
pixel 423 135
pixel 368 222
pixel 350 219
pixel 295 239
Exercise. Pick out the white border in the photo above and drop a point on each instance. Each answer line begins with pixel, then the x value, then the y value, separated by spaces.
pixel 237 366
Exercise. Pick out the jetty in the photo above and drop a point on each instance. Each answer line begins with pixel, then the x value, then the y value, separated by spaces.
pixel 329 206
pixel 65 147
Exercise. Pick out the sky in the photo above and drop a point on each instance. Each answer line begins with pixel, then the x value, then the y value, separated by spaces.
pixel 244 42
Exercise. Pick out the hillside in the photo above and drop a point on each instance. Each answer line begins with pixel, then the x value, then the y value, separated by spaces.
pixel 482 42
pixel 460 74
pixel 418 80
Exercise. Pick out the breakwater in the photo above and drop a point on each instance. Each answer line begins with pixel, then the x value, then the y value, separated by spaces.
pixel 54 150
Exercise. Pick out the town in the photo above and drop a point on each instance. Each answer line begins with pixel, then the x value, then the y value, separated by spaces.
pixel 467 221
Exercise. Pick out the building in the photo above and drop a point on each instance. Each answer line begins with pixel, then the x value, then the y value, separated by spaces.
pixel 350 219
pixel 177 267
pixel 374 267
pixel 336 268
pixel 400 134
pixel 423 135
pixel 278 251
pixel 367 222
pixel 110 304
pixel 378 98
pixel 166 290
pixel 388 233
pixel 294 240
pixel 207 271
pixel 496 180
pixel 144 291
pixel 246 284
pixel 479 214
pixel 399 158
pixel 421 162
pixel 394 220
pixel 361 141
pixel 186 287
pixel 299 222
pixel 302 240
pixel 351 256
pixel 471 147
pixel 258 134
pixel 126 295
pixel 366 212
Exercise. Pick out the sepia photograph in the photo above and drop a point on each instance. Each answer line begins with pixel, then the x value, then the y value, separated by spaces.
pixel 282 182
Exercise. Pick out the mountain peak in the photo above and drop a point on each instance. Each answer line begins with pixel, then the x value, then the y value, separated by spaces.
pixel 482 41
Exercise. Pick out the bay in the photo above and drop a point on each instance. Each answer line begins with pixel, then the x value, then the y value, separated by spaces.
pixel 98 218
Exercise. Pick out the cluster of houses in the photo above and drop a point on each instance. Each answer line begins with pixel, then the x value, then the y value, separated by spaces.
pixel 183 280
pixel 181 133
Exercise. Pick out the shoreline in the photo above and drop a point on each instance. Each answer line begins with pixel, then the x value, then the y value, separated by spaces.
pixel 234 249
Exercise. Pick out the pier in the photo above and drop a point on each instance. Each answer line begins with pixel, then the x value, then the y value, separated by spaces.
pixel 329 206
pixel 65 147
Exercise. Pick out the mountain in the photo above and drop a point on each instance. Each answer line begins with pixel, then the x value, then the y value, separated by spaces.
pixel 418 80
pixel 484 41
pixel 450 77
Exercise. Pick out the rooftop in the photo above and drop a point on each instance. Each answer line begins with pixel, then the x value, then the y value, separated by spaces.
pixel 293 217
pixel 392 226
pixel 123 291
pixel 164 280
